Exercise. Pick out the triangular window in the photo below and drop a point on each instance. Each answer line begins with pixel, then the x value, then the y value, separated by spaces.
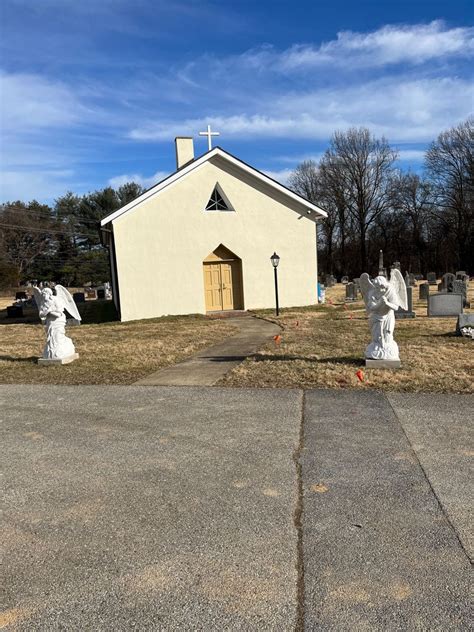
pixel 217 201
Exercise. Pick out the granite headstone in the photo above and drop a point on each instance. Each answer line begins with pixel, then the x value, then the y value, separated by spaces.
pixel 424 291
pixel 445 304
pixel 406 313
pixel 431 278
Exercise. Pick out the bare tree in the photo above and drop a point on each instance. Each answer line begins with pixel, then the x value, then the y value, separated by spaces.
pixel 412 202
pixel 306 181
pixel 333 196
pixel 450 164
pixel 361 165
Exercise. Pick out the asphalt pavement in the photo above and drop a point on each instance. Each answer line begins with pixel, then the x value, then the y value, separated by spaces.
pixel 186 508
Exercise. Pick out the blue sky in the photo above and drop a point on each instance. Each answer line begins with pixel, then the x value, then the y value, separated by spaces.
pixel 94 91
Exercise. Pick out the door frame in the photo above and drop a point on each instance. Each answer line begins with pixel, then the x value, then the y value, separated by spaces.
pixel 237 288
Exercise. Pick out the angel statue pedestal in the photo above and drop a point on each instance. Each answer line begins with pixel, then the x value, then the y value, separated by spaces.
pixel 382 298
pixel 67 360
pixel 59 349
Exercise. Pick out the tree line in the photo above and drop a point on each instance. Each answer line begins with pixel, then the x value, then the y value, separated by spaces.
pixel 425 221
pixel 60 243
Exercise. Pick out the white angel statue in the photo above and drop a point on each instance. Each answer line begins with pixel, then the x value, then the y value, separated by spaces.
pixel 51 308
pixel 382 298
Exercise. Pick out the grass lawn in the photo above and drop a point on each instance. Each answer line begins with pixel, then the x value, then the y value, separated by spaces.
pixel 110 352
pixel 323 346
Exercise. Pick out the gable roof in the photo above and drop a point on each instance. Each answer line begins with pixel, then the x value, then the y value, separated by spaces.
pixel 198 163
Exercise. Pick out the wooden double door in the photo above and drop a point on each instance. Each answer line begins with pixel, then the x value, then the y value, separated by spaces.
pixel 223 285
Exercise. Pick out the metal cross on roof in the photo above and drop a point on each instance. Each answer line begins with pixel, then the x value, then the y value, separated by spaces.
pixel 209 135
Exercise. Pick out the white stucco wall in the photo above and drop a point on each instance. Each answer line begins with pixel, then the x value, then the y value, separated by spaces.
pixel 161 244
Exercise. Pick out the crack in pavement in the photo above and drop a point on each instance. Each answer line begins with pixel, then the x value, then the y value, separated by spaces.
pixel 298 521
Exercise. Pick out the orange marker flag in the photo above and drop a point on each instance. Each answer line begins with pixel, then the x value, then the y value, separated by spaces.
pixel 360 375
pixel 345 305
pixel 277 339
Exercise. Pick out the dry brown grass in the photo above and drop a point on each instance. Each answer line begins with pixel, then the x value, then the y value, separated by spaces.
pixel 110 353
pixel 323 347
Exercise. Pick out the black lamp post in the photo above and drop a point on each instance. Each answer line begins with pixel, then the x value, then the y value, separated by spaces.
pixel 275 259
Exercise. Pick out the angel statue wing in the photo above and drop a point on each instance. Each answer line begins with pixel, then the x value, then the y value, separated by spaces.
pixel 68 302
pixel 38 299
pixel 366 286
pixel 398 286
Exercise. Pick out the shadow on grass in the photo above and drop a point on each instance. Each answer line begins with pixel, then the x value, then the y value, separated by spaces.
pixel 259 357
pixel 31 359
pixel 230 358
pixel 92 313
pixel 448 334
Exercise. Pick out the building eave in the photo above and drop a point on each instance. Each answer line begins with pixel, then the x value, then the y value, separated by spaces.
pixel 198 163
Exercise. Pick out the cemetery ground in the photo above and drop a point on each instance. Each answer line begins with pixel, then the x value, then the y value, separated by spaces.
pixel 320 347
pixel 110 352
pixel 323 347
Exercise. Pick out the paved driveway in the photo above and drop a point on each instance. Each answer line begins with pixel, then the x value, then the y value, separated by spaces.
pixel 179 508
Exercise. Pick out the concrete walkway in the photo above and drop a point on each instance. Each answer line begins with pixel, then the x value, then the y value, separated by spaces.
pixel 234 509
pixel 209 365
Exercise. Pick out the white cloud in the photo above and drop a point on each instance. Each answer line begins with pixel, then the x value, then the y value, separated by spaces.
pixel 39 185
pixel 402 110
pixel 411 155
pixel 281 175
pixel 144 181
pixel 31 101
pixel 413 44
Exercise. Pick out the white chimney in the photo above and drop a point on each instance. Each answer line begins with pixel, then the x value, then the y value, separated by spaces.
pixel 184 150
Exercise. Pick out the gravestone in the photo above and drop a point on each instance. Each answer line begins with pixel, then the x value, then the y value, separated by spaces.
pixel 91 294
pixel 424 291
pixel 447 281
pixel 79 297
pixel 345 280
pixel 464 321
pixel 396 264
pixel 465 326
pixel 101 293
pixel 351 292
pixel 445 304
pixel 409 279
pixel 19 296
pixel 406 313
pixel 15 311
pixel 460 274
pixel 441 287
pixel 418 276
pixel 459 287
pixel 431 278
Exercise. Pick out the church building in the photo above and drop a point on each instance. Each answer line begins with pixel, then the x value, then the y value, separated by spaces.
pixel 200 241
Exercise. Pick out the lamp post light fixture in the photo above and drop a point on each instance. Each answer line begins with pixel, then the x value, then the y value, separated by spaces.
pixel 275 259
